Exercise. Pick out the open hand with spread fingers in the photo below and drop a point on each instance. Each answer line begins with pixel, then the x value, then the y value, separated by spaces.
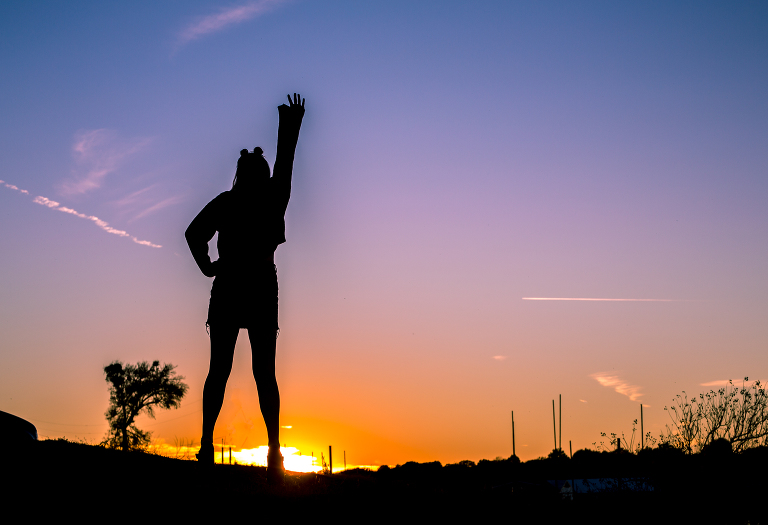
pixel 294 108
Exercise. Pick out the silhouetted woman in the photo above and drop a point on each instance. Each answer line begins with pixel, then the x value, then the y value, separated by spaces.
pixel 250 219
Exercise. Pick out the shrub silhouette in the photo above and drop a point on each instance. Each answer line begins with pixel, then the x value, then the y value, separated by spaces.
pixel 135 389
pixel 737 415
pixel 557 454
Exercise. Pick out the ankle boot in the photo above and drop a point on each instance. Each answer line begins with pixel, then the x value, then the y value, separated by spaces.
pixel 275 468
pixel 205 454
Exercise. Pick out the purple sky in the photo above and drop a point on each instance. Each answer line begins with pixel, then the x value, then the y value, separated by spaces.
pixel 454 159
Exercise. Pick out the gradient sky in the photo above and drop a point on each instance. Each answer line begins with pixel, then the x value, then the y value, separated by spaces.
pixel 455 158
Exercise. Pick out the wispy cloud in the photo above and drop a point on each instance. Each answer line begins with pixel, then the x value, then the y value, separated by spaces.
pixel 48 203
pixel 225 18
pixel 160 205
pixel 719 382
pixel 726 382
pixel 144 202
pixel 598 299
pixel 97 153
pixel 135 197
pixel 618 384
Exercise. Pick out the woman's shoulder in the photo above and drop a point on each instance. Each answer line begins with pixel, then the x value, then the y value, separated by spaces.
pixel 222 199
pixel 216 206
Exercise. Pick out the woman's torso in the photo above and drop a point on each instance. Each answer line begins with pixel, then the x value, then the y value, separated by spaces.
pixel 250 228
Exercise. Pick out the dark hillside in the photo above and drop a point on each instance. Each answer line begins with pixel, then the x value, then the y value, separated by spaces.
pixel 57 478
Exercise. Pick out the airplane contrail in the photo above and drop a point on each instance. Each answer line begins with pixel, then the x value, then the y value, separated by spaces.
pixel 48 203
pixel 598 299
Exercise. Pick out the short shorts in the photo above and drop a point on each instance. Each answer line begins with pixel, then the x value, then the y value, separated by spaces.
pixel 246 299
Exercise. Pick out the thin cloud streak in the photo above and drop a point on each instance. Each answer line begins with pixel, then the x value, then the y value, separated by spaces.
pixel 48 203
pixel 225 18
pixel 14 187
pixel 160 205
pixel 97 153
pixel 44 201
pixel 719 382
pixel 133 198
pixel 726 382
pixel 618 384
pixel 599 299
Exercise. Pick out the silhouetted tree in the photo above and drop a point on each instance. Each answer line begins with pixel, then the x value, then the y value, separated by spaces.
pixel 738 415
pixel 135 389
pixel 557 454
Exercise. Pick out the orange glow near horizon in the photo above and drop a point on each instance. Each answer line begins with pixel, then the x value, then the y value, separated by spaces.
pixel 294 461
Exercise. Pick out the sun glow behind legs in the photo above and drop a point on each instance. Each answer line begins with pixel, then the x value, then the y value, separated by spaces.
pixel 257 457
pixel 291 458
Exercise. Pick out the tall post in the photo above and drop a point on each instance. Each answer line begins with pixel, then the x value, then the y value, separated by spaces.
pixel 230 455
pixel 573 482
pixel 642 434
pixel 222 451
pixel 554 422
pixel 513 433
pixel 330 459
pixel 560 435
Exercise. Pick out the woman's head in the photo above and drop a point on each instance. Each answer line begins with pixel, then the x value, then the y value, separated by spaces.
pixel 252 169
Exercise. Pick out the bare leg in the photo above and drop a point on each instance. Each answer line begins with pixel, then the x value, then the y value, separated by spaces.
pixel 223 339
pixel 263 344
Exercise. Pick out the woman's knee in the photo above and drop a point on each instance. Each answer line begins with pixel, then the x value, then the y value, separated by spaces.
pixel 219 372
pixel 223 339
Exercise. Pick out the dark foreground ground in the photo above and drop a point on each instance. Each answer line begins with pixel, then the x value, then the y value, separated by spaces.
pixel 57 480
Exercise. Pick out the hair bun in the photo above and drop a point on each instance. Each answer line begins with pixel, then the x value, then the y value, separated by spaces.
pixel 258 151
pixel 243 152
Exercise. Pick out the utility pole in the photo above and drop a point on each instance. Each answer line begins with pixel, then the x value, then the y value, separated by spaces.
pixel 330 459
pixel 560 438
pixel 642 435
pixel 513 433
pixel 573 483
pixel 222 451
pixel 554 422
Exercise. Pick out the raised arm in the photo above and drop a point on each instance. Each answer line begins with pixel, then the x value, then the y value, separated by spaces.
pixel 199 233
pixel 287 136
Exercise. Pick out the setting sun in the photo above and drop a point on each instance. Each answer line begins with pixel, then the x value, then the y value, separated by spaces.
pixel 294 461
